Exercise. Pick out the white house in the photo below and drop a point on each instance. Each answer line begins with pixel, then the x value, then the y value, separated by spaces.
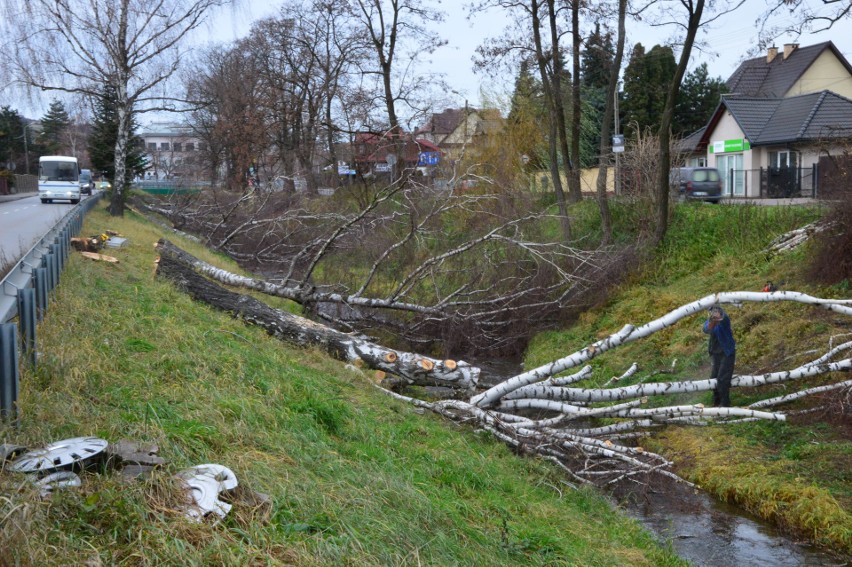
pixel 785 112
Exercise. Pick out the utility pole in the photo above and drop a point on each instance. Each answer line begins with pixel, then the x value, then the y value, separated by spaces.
pixel 465 121
pixel 617 132
pixel 26 150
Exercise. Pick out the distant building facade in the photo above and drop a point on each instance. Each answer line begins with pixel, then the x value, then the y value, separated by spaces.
pixel 173 152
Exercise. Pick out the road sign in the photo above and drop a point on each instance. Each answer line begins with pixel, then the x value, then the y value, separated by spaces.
pixel 429 158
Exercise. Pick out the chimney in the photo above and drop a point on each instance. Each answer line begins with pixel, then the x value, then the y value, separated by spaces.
pixel 771 53
pixel 789 48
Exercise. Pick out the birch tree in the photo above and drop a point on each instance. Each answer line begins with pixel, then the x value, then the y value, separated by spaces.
pixel 564 395
pixel 81 46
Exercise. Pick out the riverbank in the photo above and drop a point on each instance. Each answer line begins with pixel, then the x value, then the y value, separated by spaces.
pixel 795 474
pixel 349 475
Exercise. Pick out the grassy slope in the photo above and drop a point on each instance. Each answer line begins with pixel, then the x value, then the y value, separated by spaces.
pixel 355 477
pixel 796 473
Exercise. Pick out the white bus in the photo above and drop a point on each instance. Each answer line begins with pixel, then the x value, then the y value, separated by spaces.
pixel 58 179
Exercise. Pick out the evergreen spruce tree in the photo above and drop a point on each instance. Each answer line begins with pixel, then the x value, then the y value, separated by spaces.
pixel 54 125
pixel 699 95
pixel 12 140
pixel 646 83
pixel 596 60
pixel 103 138
pixel 596 63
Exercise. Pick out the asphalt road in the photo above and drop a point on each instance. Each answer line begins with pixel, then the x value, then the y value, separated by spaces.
pixel 23 222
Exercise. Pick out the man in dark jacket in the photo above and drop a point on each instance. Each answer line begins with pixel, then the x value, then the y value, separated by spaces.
pixel 723 353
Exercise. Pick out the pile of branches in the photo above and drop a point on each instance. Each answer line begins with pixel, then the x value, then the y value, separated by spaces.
pixel 488 287
pixel 540 411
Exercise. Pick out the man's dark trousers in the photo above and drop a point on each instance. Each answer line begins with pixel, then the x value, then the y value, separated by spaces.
pixel 723 371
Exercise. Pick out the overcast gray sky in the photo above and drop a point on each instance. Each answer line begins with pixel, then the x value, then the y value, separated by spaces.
pixel 731 38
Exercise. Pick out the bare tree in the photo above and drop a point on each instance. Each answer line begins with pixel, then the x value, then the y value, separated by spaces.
pixel 694 10
pixel 606 121
pixel 534 35
pixel 395 28
pixel 689 17
pixel 228 112
pixel 800 16
pixel 78 46
pixel 563 424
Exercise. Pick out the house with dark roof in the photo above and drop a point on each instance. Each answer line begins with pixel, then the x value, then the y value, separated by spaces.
pixel 454 128
pixel 387 152
pixel 784 113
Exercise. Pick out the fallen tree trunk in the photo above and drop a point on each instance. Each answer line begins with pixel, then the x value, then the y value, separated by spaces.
pixel 534 411
pixel 415 369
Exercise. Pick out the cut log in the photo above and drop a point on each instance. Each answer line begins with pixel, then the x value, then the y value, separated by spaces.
pixel 100 257
pixel 305 332
pixel 91 244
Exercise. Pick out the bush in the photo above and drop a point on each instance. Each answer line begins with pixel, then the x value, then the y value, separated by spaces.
pixel 831 262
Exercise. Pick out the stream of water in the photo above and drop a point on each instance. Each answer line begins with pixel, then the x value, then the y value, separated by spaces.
pixel 710 533
pixel 700 528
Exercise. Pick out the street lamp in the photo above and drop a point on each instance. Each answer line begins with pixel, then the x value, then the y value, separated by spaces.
pixel 26 149
pixel 25 127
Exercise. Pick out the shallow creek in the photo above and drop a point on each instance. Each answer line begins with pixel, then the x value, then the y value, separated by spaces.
pixel 707 532
pixel 700 528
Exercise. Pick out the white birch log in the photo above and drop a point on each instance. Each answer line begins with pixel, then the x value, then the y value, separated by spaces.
pixel 830 354
pixel 627 374
pixel 584 373
pixel 629 334
pixel 297 330
pixel 801 394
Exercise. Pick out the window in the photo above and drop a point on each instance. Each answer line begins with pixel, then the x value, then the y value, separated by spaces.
pixel 782 159
pixel 177 147
pixel 152 146
pixel 705 175
pixel 190 147
pixel 164 146
pixel 202 147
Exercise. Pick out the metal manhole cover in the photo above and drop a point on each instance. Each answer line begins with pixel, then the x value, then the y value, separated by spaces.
pixel 59 454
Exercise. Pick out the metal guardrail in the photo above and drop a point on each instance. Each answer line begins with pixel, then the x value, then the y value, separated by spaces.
pixel 24 294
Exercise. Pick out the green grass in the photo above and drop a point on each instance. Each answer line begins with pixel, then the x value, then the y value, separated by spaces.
pixel 354 477
pixel 797 474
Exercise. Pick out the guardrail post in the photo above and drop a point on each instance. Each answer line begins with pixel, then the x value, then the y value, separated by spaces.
pixel 66 243
pixel 50 266
pixel 27 320
pixel 9 372
pixel 58 251
pixel 40 283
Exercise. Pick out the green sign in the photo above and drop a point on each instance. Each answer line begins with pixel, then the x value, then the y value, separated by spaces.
pixel 727 146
